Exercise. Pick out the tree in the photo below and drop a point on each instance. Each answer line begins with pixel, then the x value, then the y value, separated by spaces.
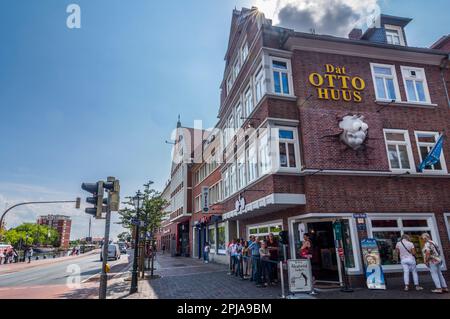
pixel 32 234
pixel 151 213
pixel 124 236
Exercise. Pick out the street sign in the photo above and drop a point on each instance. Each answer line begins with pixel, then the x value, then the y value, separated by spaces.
pixel 360 215
pixel 205 199
pixel 299 275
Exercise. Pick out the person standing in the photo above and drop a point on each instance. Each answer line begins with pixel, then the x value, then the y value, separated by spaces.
pixel 2 255
pixel 256 266
pixel 265 264
pixel 29 254
pixel 229 251
pixel 273 247
pixel 245 259
pixel 433 260
pixel 163 249
pixel 407 252
pixel 206 251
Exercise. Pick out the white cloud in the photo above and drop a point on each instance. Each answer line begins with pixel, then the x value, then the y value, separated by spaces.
pixel 333 17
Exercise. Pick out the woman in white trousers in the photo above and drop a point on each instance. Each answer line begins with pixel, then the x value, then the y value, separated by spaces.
pixel 407 252
pixel 433 259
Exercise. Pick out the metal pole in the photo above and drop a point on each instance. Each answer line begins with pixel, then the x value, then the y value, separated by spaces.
pixel 134 276
pixel 104 275
pixel 283 296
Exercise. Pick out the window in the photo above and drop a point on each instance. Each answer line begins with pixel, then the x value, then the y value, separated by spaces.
pixel 244 52
pixel 280 69
pixel 265 230
pixel 425 143
pixel 229 83
pixel 215 195
pixel 252 162
pixel 415 85
pixel 239 116
pixel 241 172
pixel 226 184
pixel 264 154
pixel 221 245
pixel 394 35
pixel 385 81
pixel 248 101
pixel 212 239
pixel 388 234
pixel 198 203
pixel 259 85
pixel 233 179
pixel 236 68
pixel 398 149
pixel 288 148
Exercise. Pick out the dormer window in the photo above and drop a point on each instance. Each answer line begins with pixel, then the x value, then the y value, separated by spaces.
pixel 394 35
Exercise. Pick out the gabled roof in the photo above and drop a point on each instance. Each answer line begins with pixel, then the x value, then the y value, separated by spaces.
pixel 443 41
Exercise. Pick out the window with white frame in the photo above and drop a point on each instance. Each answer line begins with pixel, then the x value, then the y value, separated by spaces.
pixel 288 148
pixel 212 238
pixel 425 143
pixel 394 35
pixel 236 68
pixel 251 161
pixel 259 84
pixel 229 83
pixel 215 193
pixel 244 52
pixel 226 184
pixel 388 231
pixel 239 116
pixel 415 84
pixel 265 164
pixel 198 203
pixel 385 81
pixel 233 179
pixel 241 171
pixel 398 147
pixel 281 76
pixel 248 101
pixel 265 229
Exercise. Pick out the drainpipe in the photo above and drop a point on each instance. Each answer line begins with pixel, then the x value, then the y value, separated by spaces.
pixel 443 67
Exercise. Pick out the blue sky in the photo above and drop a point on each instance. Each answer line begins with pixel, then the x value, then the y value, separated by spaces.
pixel 82 104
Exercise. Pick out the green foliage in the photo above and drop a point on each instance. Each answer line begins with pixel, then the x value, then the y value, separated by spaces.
pixel 151 213
pixel 32 234
pixel 124 236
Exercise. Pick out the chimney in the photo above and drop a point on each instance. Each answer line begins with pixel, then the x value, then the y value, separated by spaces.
pixel 355 34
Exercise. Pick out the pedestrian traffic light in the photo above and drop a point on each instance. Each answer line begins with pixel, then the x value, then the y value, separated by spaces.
pixel 96 189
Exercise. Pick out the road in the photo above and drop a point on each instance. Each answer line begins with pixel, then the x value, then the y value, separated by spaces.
pixel 55 280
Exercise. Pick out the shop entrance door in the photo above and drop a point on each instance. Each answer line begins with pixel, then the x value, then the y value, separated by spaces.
pixel 324 262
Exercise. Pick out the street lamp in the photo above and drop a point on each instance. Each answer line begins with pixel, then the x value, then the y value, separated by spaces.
pixel 138 201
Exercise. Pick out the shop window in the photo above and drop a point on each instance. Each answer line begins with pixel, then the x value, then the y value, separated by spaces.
pixel 264 230
pixel 221 245
pixel 385 81
pixel 253 231
pixel 281 76
pixel 388 234
pixel 399 151
pixel 212 239
pixel 415 84
pixel 425 143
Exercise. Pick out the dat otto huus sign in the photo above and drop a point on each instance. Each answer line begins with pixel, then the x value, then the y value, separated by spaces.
pixel 335 84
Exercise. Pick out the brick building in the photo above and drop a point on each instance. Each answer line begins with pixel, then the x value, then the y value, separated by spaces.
pixel 62 224
pixel 315 129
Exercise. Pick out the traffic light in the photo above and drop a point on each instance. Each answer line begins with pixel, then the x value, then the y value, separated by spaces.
pixel 113 187
pixel 96 189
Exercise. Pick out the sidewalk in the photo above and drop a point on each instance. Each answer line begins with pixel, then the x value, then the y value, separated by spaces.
pixel 10 268
pixel 187 278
